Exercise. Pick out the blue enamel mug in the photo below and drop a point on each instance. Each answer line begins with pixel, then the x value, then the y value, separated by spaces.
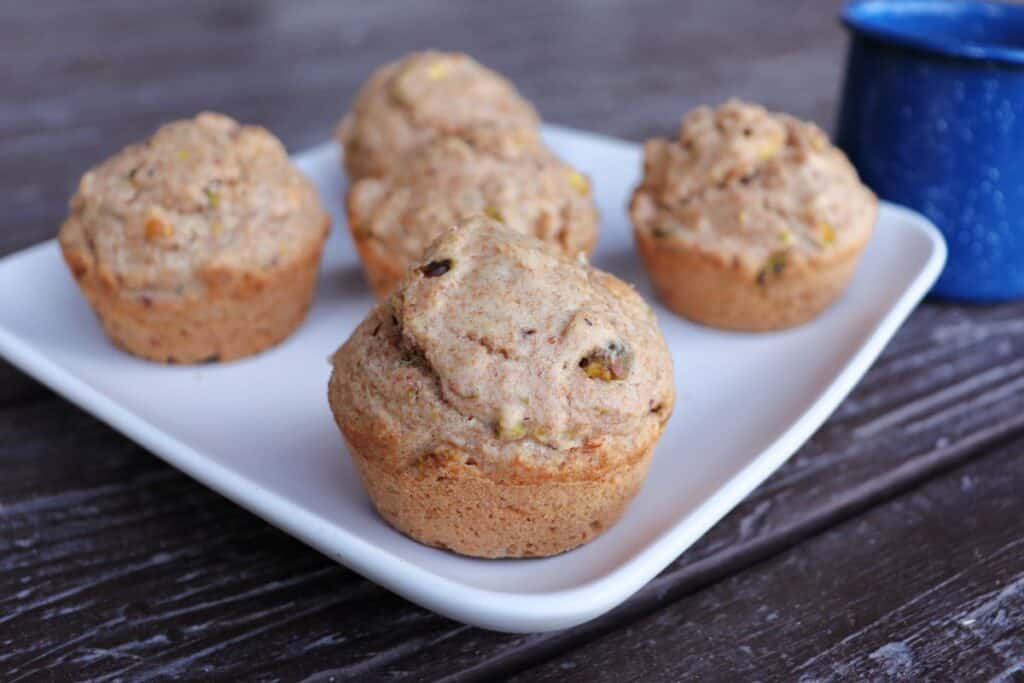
pixel 932 116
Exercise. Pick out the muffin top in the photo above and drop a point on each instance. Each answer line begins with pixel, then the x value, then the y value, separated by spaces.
pixel 498 346
pixel 513 179
pixel 425 94
pixel 751 186
pixel 202 201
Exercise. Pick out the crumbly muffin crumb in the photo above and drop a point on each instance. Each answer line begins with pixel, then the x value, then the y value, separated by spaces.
pixel 759 188
pixel 198 200
pixel 409 102
pixel 512 179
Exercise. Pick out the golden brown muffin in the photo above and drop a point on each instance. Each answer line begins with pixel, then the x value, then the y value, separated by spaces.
pixel 511 178
pixel 199 244
pixel 750 220
pixel 505 400
pixel 425 94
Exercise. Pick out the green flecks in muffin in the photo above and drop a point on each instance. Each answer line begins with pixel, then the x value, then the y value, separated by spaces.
pixel 183 155
pixel 437 268
pixel 786 236
pixel 510 425
pixel 773 267
pixel 212 197
pixel 826 233
pixel 611 362
pixel 767 151
pixel 494 213
pixel 512 432
pixel 579 182
pixel 437 71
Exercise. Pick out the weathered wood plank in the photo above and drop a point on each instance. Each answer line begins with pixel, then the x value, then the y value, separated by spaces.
pixel 928 587
pixel 87 530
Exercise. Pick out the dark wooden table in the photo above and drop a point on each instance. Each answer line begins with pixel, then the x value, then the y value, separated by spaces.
pixel 890 547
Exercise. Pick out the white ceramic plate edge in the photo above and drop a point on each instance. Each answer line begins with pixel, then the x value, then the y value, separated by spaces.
pixel 512 612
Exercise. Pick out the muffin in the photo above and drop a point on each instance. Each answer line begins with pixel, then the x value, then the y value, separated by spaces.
pixel 514 179
pixel 426 94
pixel 751 220
pixel 505 400
pixel 199 244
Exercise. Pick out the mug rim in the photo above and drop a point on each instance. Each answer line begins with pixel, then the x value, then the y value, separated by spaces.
pixel 862 17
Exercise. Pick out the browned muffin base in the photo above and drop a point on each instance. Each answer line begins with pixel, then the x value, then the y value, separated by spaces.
pixel 711 291
pixel 231 320
pixel 448 504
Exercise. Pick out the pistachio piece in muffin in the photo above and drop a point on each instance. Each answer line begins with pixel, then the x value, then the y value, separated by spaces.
pixel 200 244
pixel 751 220
pixel 508 175
pixel 505 400
pixel 425 94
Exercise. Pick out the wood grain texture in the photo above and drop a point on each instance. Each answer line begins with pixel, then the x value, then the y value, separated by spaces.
pixel 928 586
pixel 868 546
